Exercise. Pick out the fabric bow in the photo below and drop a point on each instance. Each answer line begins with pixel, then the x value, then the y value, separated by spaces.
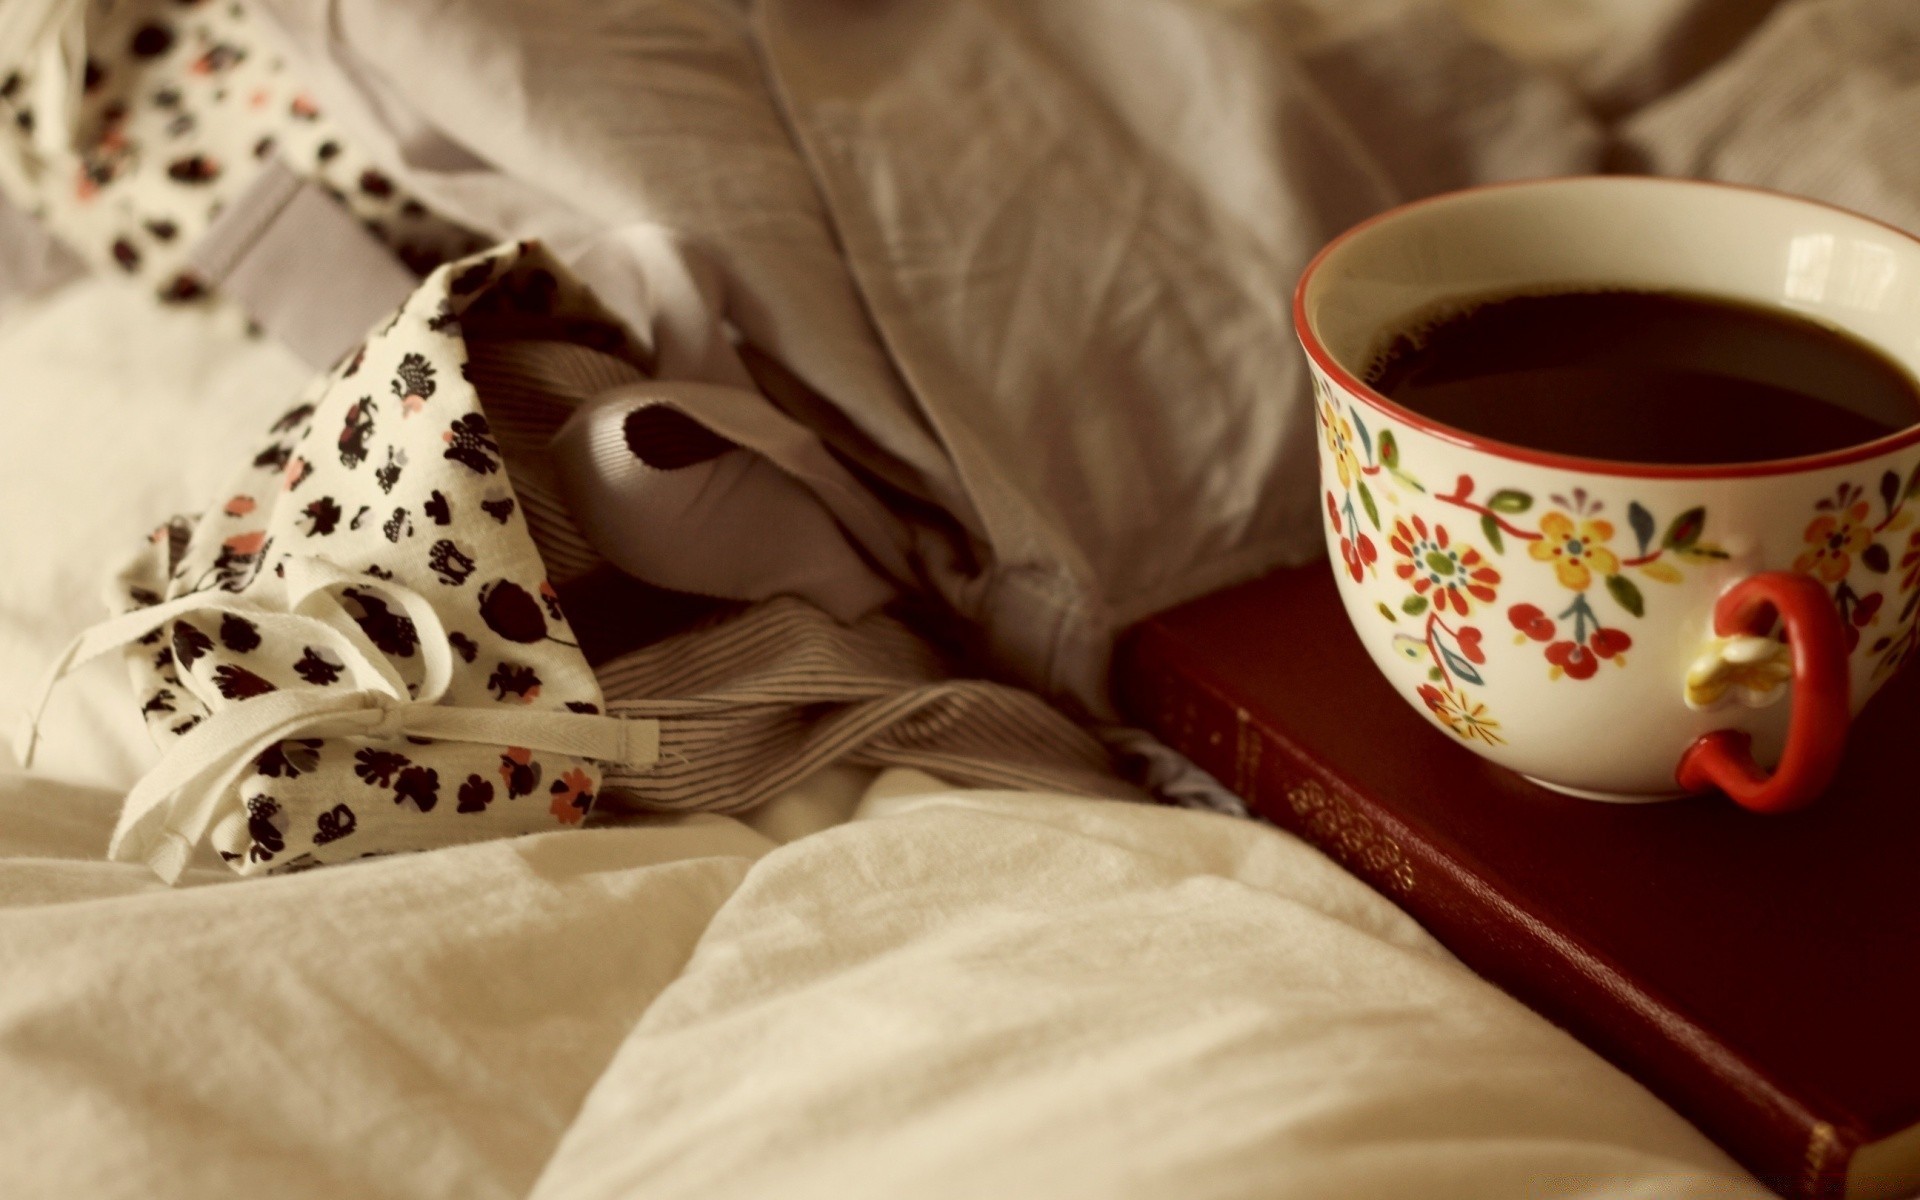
pixel 172 807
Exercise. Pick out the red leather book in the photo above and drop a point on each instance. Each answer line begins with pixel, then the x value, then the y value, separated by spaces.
pixel 1761 974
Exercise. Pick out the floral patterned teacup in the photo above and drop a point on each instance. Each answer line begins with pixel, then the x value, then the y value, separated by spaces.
pixel 1620 631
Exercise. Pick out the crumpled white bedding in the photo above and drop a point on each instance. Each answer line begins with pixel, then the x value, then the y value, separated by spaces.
pixel 117 416
pixel 953 993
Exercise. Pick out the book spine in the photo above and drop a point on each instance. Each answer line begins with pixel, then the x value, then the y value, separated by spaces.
pixel 1783 1144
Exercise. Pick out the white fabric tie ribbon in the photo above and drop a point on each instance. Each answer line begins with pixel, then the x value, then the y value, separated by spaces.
pixel 172 807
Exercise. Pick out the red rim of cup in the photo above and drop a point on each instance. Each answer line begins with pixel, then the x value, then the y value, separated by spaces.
pixel 1900 439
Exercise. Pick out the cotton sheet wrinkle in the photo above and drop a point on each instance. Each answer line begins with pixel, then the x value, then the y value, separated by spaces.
pixel 421 1026
pixel 32 260
pixel 978 993
pixel 93 356
pixel 1481 116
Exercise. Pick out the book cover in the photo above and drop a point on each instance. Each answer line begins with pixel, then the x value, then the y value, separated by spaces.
pixel 1759 973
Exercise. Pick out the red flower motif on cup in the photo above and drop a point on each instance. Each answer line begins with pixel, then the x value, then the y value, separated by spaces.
pixel 1910 563
pixel 1577 657
pixel 1528 619
pixel 1357 551
pixel 1577 661
pixel 1445 572
pixel 1860 612
pixel 1469 639
pixel 1581 661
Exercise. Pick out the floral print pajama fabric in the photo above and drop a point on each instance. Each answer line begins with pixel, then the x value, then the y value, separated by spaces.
pixel 181 104
pixel 388 470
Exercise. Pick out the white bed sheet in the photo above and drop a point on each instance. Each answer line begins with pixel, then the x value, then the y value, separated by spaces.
pixel 118 414
pixel 952 994
pixel 966 994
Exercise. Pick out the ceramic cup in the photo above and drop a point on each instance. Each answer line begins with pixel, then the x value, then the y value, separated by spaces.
pixel 1612 630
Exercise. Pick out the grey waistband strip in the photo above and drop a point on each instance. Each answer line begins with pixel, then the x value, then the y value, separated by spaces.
pixel 297 262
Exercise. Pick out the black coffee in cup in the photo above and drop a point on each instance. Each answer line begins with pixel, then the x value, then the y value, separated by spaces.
pixel 1647 377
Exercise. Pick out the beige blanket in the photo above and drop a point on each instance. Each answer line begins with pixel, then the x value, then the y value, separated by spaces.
pixel 953 994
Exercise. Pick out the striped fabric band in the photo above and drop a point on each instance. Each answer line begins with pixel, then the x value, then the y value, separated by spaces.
pixel 752 704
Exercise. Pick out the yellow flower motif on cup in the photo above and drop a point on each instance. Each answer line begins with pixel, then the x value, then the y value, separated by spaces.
pixel 1339 435
pixel 1832 541
pixel 1751 670
pixel 1576 551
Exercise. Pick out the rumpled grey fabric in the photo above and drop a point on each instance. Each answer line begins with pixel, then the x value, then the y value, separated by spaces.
pixel 1619 55
pixel 301 266
pixel 1077 225
pixel 1024 265
pixel 1823 100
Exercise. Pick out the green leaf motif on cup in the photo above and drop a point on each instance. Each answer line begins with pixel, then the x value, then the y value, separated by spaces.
pixel 1491 527
pixel 1642 522
pixel 1686 529
pixel 1627 595
pixel 1366 502
pixel 1700 553
pixel 1508 500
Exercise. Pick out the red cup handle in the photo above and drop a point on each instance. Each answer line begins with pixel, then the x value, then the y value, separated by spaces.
pixel 1817 730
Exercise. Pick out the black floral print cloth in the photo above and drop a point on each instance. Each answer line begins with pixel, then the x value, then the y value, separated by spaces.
pixel 370 560
pixel 179 104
